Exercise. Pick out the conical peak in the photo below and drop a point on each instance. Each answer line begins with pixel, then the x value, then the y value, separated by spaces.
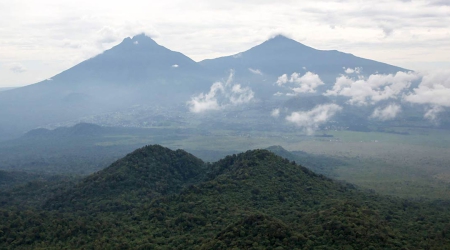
pixel 142 39
pixel 281 37
pixel 280 44
pixel 281 40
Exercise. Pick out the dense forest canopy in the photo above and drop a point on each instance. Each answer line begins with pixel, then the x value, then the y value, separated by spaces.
pixel 163 199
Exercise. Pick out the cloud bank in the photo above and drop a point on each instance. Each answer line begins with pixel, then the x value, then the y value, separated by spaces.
pixel 434 89
pixel 309 121
pixel 300 84
pixel 388 113
pixel 220 96
pixel 373 89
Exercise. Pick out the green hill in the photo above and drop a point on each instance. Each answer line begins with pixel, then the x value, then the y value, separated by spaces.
pixel 137 178
pixel 156 198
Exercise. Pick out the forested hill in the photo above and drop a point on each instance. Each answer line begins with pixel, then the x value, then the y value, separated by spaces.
pixel 156 198
pixel 137 178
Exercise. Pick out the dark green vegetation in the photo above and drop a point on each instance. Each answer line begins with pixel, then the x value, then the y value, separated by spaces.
pixel 410 163
pixel 156 198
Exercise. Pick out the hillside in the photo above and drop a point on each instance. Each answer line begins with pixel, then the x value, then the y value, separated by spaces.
pixel 137 178
pixel 252 200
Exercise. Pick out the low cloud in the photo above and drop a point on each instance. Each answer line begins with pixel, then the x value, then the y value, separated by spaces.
pixel 434 89
pixel 275 113
pixel 310 120
pixel 240 95
pixel 205 102
pixel 388 113
pixel 300 84
pixel 433 112
pixel 220 96
pixel 17 68
pixel 373 89
pixel 356 70
pixel 255 71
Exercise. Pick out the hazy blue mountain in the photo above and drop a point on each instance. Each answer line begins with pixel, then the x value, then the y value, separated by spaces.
pixel 281 55
pixel 136 71
pixel 5 88
pixel 137 60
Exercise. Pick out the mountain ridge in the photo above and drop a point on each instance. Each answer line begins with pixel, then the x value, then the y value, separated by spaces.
pixel 138 71
pixel 289 56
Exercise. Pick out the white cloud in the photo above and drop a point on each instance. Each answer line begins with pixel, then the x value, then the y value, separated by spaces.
pixel 356 70
pixel 433 112
pixel 240 95
pixel 282 80
pixel 300 84
pixel 275 113
pixel 388 113
pixel 17 68
pixel 310 120
pixel 434 89
pixel 278 94
pixel 255 71
pixel 375 88
pixel 220 96
pixel 175 66
pixel 205 102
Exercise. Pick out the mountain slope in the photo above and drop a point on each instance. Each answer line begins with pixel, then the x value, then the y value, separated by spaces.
pixel 260 66
pixel 281 55
pixel 137 60
pixel 137 178
pixel 317 211
pixel 136 71
pixel 253 200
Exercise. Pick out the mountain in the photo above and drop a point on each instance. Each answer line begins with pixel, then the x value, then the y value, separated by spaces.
pixel 281 55
pixel 135 61
pixel 158 198
pixel 80 129
pixel 64 150
pixel 136 71
pixel 139 177
pixel 139 72
pixel 6 88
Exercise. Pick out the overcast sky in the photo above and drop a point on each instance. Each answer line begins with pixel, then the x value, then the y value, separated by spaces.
pixel 39 39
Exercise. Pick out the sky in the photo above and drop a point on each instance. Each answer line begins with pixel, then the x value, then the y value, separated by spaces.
pixel 39 39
